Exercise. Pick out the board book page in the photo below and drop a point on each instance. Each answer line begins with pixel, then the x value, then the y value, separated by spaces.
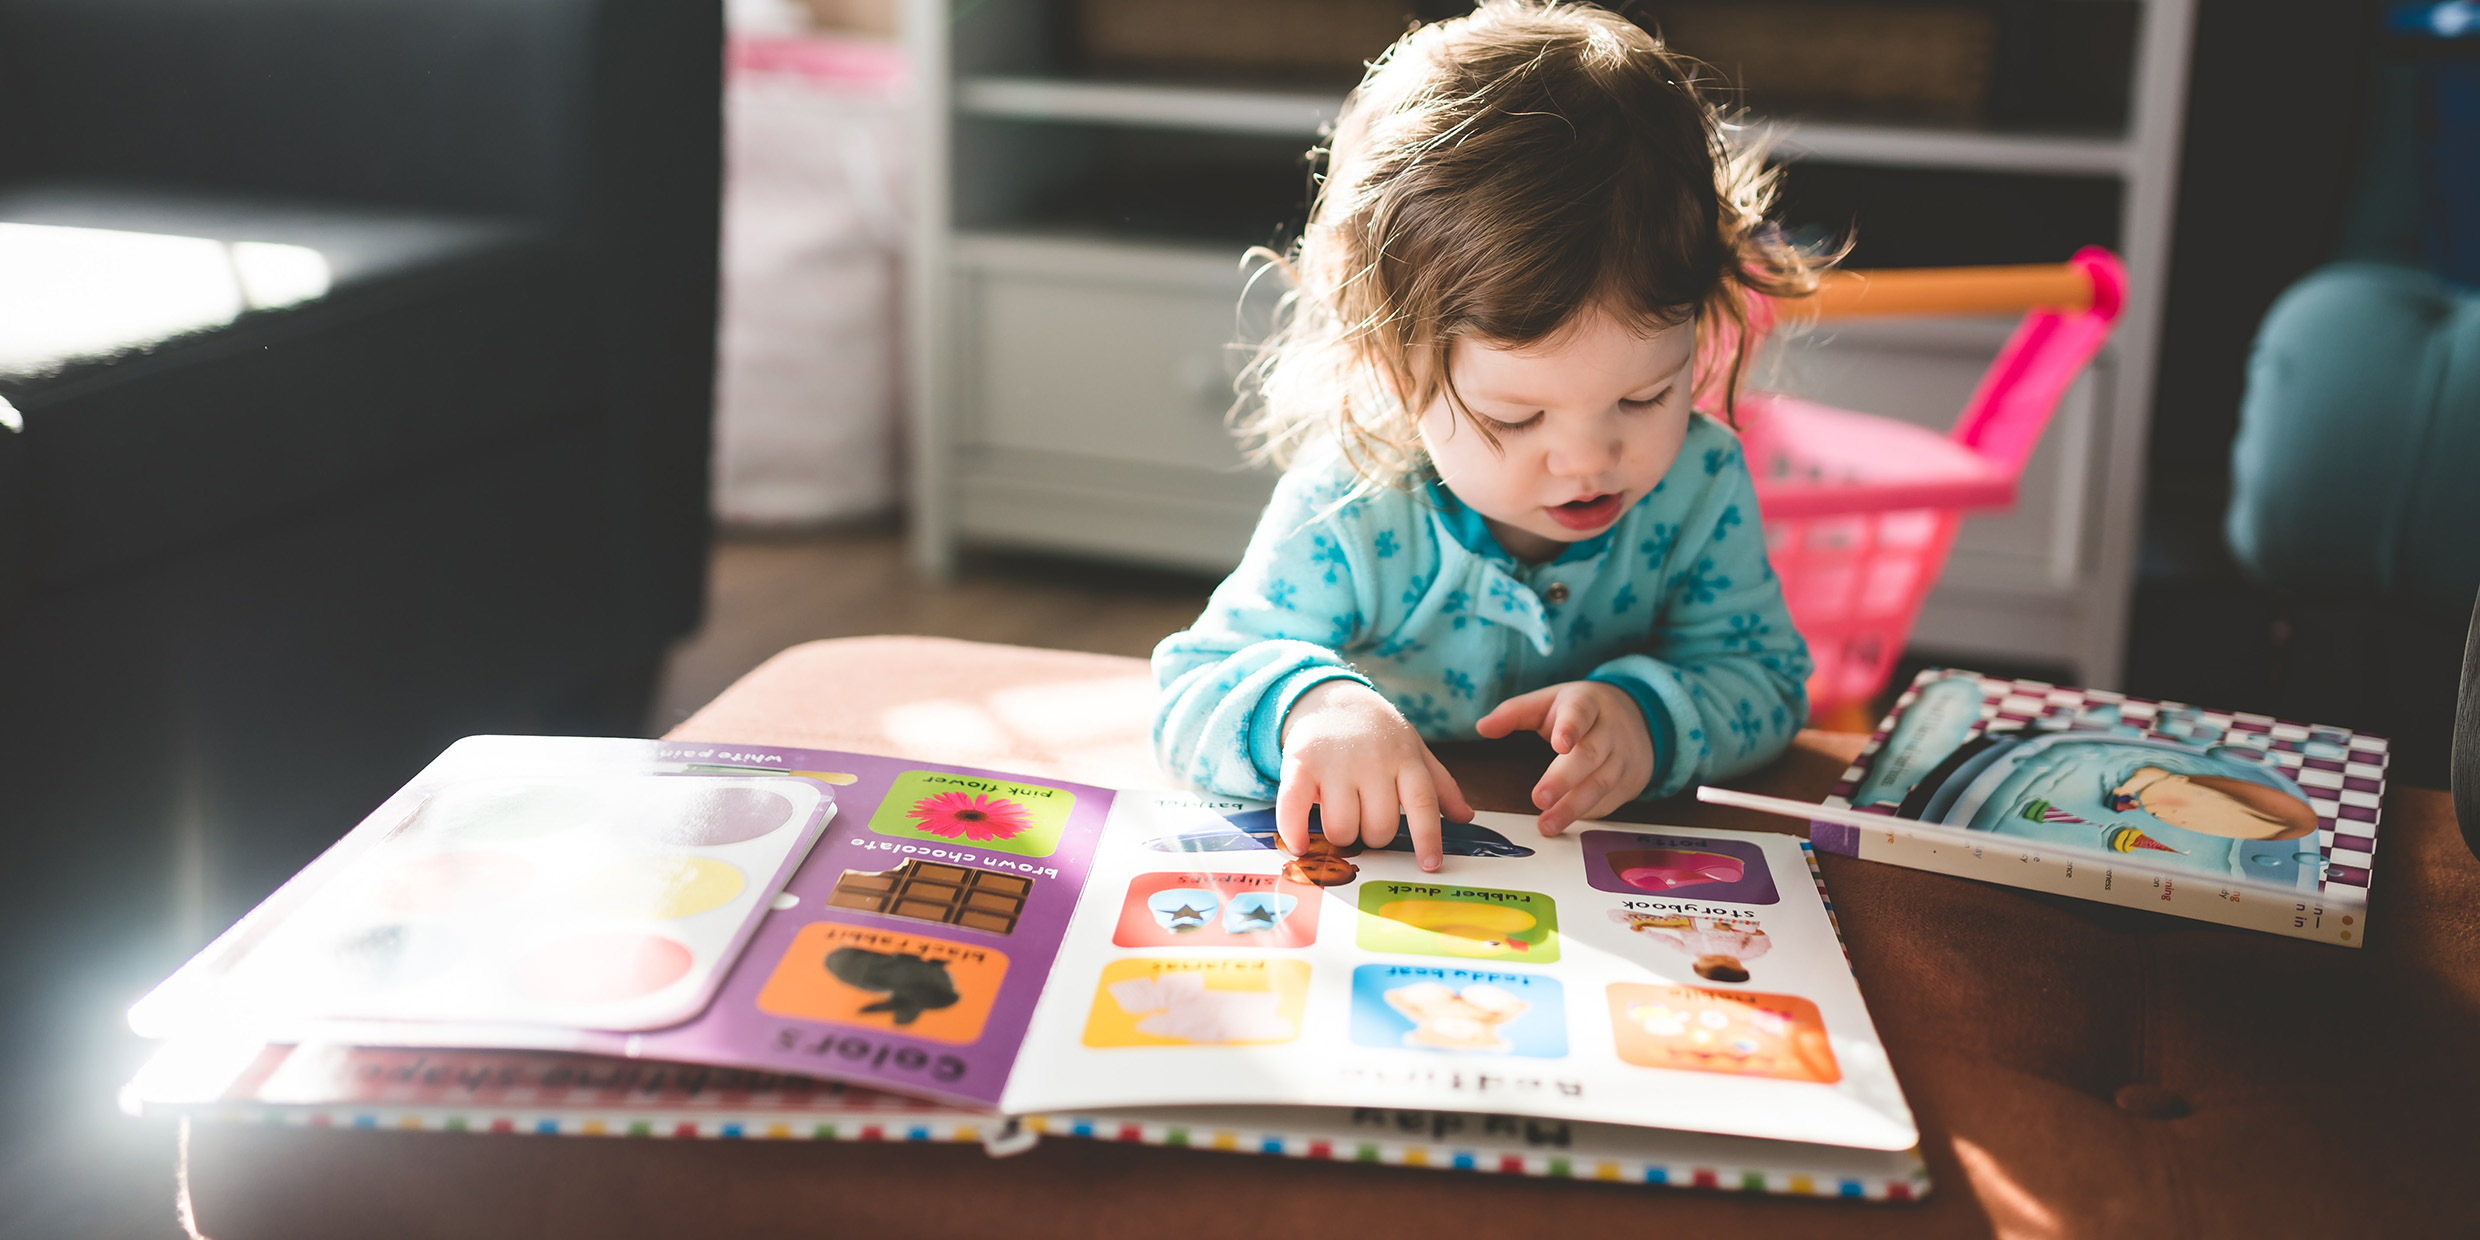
pixel 523 884
pixel 1638 975
pixel 2221 816
pixel 903 948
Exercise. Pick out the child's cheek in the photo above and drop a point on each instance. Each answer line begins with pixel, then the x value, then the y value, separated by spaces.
pixel 1478 474
pixel 1667 437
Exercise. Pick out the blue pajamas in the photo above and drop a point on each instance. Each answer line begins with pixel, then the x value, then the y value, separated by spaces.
pixel 1409 593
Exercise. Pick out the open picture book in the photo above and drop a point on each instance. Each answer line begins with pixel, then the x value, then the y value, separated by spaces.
pixel 534 929
pixel 2217 815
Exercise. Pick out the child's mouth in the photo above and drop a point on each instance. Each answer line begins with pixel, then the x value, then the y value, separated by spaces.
pixel 1586 514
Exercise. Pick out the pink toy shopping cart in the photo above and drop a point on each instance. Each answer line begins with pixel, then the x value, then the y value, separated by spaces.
pixel 1860 510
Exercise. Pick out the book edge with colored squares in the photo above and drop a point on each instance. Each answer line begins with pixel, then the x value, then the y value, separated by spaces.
pixel 403 1090
pixel 2222 816
pixel 1486 1018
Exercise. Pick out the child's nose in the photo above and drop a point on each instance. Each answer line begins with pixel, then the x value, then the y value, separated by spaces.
pixel 1583 451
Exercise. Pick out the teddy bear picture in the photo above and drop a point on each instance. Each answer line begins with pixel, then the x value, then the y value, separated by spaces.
pixel 1447 1019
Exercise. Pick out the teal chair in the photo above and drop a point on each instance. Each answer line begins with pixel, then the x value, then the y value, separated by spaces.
pixel 2357 466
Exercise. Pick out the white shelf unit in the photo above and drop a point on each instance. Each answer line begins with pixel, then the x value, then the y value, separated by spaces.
pixel 1069 377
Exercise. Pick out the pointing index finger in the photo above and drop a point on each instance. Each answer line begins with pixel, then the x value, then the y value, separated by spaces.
pixel 1420 802
pixel 1292 798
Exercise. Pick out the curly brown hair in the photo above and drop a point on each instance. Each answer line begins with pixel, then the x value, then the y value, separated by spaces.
pixel 1496 175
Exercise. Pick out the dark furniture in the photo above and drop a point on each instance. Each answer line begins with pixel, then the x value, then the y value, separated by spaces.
pixel 439 468
pixel 2077 1070
pixel 2467 737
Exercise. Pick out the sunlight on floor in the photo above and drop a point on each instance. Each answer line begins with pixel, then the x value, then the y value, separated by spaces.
pixel 2013 1209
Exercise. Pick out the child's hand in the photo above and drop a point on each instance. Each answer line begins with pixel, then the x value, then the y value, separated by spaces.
pixel 1348 752
pixel 1605 753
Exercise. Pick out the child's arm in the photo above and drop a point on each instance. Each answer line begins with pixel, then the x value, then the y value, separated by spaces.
pixel 1258 701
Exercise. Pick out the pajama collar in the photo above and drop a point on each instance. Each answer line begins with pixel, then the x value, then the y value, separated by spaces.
pixel 1501 596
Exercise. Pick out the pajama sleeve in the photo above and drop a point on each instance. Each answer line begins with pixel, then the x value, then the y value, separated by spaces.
pixel 1723 681
pixel 1276 628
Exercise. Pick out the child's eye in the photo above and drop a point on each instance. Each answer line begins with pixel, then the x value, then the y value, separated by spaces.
pixel 1647 403
pixel 1504 427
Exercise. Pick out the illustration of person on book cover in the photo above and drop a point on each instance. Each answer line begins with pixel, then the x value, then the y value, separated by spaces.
pixel 2178 793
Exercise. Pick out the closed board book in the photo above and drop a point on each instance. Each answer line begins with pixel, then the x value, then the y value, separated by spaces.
pixel 2217 815
pixel 991 956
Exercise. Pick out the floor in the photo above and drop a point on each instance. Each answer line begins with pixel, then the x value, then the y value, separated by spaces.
pixel 766 592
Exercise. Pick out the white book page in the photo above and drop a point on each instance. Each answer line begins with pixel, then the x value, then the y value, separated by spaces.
pixel 1562 984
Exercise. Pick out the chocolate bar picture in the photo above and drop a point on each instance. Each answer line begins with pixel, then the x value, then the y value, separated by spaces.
pixel 955 895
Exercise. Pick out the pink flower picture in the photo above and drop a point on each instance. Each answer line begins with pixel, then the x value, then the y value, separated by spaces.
pixel 969 816
pixel 1024 819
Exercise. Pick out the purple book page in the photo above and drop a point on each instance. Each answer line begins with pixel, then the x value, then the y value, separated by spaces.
pixel 918 935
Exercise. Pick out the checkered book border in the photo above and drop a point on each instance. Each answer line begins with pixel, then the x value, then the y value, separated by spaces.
pixel 2346 791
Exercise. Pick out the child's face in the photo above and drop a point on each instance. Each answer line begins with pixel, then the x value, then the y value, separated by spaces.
pixel 1587 423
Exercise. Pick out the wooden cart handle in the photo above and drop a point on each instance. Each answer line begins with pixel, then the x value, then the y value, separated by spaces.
pixel 1947 290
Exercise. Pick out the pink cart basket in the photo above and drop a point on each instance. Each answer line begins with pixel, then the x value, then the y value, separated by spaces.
pixel 1860 510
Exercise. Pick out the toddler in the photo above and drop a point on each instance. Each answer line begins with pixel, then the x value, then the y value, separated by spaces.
pixel 1531 253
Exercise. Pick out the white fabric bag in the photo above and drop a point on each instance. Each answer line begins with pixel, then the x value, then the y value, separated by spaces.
pixel 806 395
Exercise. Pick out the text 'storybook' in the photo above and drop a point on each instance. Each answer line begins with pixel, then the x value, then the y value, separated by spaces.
pixel 1673 1003
pixel 2216 815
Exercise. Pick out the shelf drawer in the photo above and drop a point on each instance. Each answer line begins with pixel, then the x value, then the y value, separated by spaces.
pixel 1110 352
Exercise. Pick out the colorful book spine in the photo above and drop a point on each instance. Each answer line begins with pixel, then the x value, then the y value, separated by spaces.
pixel 523 1093
pixel 1761 1175
pixel 1512 1156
